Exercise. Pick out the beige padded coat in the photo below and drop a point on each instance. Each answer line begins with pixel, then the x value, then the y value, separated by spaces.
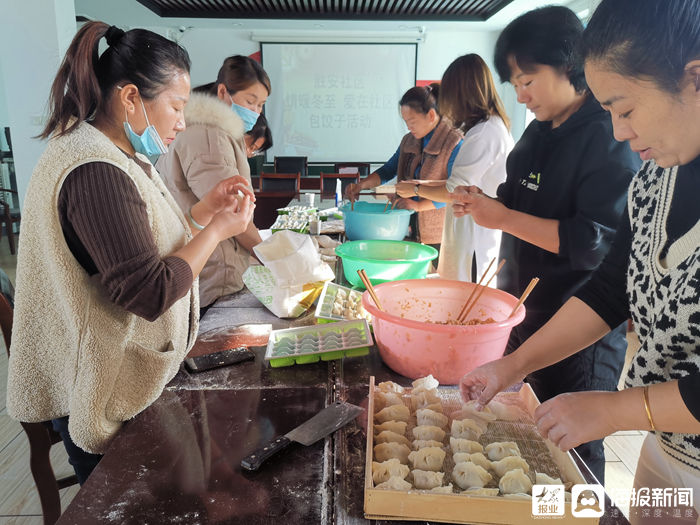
pixel 211 149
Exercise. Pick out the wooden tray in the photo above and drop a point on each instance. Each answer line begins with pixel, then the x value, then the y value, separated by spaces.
pixel 460 508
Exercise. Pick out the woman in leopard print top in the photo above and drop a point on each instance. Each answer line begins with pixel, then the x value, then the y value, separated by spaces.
pixel 643 65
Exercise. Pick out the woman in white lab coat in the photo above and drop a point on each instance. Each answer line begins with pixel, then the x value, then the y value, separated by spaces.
pixel 469 99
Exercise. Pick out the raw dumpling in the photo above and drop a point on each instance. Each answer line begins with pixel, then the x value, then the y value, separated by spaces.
pixel 435 407
pixel 515 482
pixel 428 432
pixel 425 416
pixel 387 399
pixel 506 412
pixel 385 451
pixel 390 386
pixel 543 479
pixel 470 411
pixel 480 491
pixel 476 457
pixel 422 443
pixel 393 413
pixel 381 472
pixel 501 449
pixel 391 437
pixel 395 426
pixel 467 475
pixel 426 383
pixel 447 489
pixel 424 398
pixel 466 428
pixel 509 463
pixel 394 483
pixel 426 479
pixel 465 445
pixel 428 458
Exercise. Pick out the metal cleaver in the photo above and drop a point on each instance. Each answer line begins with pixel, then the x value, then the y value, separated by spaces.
pixel 326 422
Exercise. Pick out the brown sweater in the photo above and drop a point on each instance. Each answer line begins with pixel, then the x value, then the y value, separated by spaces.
pixel 105 225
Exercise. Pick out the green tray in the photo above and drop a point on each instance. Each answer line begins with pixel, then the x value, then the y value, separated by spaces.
pixel 325 342
pixel 334 295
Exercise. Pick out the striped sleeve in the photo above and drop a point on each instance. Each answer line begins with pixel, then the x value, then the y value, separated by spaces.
pixel 105 224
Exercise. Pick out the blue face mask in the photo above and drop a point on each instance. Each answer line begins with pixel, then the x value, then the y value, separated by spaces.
pixel 248 116
pixel 149 142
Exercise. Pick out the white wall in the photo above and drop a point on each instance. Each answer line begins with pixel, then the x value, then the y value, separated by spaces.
pixel 209 47
pixel 31 46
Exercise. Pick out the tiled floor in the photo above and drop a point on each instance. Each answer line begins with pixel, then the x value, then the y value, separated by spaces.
pixel 19 503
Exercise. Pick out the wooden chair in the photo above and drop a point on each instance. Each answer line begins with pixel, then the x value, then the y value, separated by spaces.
pixel 328 182
pixel 8 217
pixel 280 182
pixel 362 168
pixel 41 437
pixel 292 165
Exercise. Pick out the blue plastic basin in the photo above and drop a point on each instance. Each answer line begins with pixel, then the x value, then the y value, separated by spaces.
pixel 369 221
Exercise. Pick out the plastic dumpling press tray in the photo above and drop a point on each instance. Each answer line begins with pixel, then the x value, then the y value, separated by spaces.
pixel 338 303
pixel 310 344
pixel 294 222
pixel 296 210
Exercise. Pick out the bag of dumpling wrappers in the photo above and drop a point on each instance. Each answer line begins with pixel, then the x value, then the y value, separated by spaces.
pixel 293 274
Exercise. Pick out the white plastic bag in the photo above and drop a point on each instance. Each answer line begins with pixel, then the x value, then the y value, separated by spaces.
pixel 293 274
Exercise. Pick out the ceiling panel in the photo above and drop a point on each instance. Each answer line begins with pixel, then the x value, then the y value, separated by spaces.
pixel 415 10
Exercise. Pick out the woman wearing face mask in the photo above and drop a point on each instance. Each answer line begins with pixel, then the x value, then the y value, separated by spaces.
pixel 212 149
pixel 427 152
pixel 565 189
pixel 107 301
pixel 469 99
pixel 642 62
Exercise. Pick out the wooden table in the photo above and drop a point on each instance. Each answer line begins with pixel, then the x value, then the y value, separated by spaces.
pixel 179 460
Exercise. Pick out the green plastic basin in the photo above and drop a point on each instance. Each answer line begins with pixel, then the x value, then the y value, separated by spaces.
pixel 385 261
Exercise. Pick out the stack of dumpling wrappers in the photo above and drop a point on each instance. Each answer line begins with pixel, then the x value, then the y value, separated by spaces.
pixel 416 460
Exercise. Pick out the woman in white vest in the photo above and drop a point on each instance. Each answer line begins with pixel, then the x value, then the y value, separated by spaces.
pixel 213 148
pixel 642 63
pixel 469 99
pixel 107 303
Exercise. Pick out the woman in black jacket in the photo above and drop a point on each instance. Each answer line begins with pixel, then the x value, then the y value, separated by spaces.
pixel 564 193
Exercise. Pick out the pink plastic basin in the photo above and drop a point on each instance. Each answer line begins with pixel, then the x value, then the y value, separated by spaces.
pixel 414 347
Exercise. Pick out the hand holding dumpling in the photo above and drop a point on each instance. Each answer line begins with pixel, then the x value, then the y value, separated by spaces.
pixel 484 382
pixel 226 193
pixel 486 211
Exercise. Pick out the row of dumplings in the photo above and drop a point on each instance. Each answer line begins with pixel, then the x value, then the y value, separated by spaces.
pixel 393 450
pixel 475 465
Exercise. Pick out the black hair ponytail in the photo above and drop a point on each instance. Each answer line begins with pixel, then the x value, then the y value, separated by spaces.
pixel 85 78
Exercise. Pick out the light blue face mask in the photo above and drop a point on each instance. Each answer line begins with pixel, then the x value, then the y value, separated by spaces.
pixel 149 142
pixel 248 116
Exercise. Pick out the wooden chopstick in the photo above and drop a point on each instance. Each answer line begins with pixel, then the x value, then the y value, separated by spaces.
pixel 352 204
pixel 530 286
pixel 386 205
pixel 483 275
pixel 368 284
pixel 481 291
